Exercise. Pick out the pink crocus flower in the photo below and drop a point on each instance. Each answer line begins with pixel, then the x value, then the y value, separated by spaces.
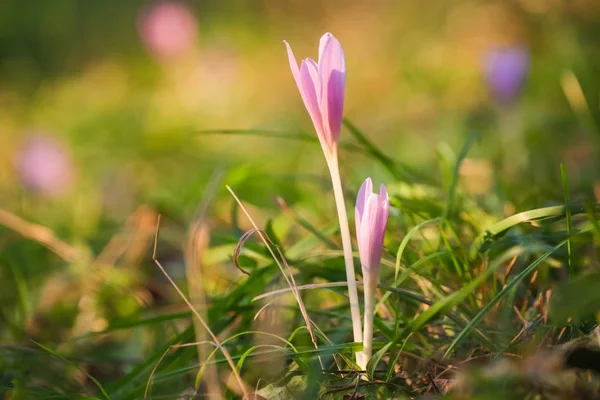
pixel 322 86
pixel 372 211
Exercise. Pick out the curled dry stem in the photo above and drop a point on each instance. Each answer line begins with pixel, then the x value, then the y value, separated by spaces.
pixel 289 279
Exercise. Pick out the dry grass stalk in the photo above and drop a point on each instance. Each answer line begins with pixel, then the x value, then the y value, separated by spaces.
pixel 198 239
pixel 40 234
pixel 290 280
pixel 224 350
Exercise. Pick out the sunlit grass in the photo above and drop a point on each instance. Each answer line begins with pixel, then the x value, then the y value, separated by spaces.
pixel 453 288
pixel 489 284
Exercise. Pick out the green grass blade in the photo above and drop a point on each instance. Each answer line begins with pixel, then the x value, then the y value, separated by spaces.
pixel 456 174
pixel 386 161
pixel 316 232
pixel 391 365
pixel 295 136
pixel 372 364
pixel 406 274
pixel 458 296
pixel 90 377
pixel 503 293
pixel 404 243
pixel 395 168
pixel 251 350
pixel 526 216
pixel 563 173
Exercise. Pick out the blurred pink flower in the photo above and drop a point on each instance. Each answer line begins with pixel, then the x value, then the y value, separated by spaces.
pixel 322 86
pixel 168 29
pixel 505 71
pixel 372 211
pixel 44 166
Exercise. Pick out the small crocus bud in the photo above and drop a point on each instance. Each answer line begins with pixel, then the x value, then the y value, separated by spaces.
pixel 505 71
pixel 321 85
pixel 372 211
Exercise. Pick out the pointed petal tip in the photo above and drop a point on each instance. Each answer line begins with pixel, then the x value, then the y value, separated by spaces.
pixel 329 37
pixel 361 190
pixel 367 187
pixel 363 194
pixel 383 191
pixel 293 63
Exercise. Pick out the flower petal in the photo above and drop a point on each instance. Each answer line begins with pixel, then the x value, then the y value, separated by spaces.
pixel 366 240
pixel 332 68
pixel 362 233
pixel 384 197
pixel 293 64
pixel 365 189
pixel 378 233
pixel 363 194
pixel 313 68
pixel 310 87
pixel 323 43
pixel 309 96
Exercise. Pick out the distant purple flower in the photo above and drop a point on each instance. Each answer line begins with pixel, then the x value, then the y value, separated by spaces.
pixel 505 71
pixel 168 29
pixel 44 166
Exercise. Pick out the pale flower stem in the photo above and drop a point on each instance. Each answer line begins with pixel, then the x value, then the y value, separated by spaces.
pixel 332 162
pixel 370 287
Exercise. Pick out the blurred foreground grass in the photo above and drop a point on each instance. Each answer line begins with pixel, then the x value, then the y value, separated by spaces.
pixel 489 284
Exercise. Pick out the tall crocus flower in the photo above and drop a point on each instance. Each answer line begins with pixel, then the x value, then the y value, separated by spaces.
pixel 321 85
pixel 372 211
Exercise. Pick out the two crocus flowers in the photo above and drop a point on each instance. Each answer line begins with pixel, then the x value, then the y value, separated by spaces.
pixel 322 85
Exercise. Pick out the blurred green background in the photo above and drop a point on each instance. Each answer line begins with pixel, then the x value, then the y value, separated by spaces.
pixel 129 113
pixel 114 111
